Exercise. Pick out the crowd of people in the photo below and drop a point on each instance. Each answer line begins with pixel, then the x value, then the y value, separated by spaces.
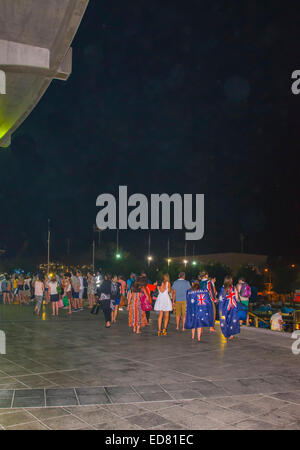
pixel 195 303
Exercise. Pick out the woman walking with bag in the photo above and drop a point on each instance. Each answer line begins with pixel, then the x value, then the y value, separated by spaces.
pixel 163 304
pixel 137 317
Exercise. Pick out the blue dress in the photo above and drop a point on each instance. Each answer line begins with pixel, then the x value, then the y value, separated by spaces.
pixel 199 312
pixel 228 312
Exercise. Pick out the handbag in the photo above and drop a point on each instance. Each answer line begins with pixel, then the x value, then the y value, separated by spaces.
pixel 60 303
pixel 145 304
pixel 65 301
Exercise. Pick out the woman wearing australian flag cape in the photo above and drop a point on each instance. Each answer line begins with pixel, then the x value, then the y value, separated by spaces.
pixel 228 309
pixel 199 312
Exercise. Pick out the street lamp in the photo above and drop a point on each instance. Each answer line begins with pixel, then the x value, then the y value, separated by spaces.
pixel 194 263
pixel 185 261
pixel 118 256
pixel 169 260
pixel 149 258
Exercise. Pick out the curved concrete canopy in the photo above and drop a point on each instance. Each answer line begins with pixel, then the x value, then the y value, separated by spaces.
pixel 35 40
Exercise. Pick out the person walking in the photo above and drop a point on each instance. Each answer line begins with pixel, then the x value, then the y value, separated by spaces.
pixel 198 313
pixel 91 289
pixel 206 284
pixel 244 294
pixel 163 305
pixel 116 297
pixel 39 290
pixel 54 297
pixel 104 292
pixel 228 309
pixel 67 287
pixel 179 290
pixel 137 317
pixel 75 282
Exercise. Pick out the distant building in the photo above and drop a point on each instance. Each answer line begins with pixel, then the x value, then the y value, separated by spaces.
pixel 233 260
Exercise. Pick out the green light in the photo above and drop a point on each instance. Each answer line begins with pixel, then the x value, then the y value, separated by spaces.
pixel 118 256
pixel 194 263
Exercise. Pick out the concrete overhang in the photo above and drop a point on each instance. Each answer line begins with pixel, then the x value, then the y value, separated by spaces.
pixel 35 48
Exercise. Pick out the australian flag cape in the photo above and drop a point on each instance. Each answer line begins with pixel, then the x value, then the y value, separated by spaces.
pixel 199 309
pixel 229 313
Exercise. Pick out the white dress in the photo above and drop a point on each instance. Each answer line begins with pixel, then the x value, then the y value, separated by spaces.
pixel 163 301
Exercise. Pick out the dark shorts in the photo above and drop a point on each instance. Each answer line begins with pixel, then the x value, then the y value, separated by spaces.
pixel 54 298
pixel 117 302
pixel 75 294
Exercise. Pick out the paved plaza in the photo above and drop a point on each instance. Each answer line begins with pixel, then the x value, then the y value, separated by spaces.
pixel 72 373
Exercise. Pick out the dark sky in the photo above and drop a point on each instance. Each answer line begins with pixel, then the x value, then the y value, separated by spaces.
pixel 165 96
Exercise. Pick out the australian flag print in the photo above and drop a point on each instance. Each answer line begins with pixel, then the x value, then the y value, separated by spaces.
pixel 199 310
pixel 229 313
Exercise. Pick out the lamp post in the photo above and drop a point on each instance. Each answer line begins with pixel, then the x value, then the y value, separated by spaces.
pixel 48 245
pixel 93 255
pixel 149 258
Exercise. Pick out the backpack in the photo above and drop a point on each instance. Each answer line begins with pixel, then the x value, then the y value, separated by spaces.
pixel 115 290
pixel 245 291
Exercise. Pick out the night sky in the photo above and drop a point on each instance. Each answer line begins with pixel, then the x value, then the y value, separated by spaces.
pixel 165 96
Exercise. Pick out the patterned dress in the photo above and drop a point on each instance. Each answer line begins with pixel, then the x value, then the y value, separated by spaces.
pixel 92 286
pixel 228 311
pixel 137 317
pixel 199 313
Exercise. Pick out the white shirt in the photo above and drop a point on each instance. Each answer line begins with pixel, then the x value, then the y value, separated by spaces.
pixel 81 282
pixel 275 322
pixel 38 288
pixel 53 287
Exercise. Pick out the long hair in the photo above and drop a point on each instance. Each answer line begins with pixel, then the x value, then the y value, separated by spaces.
pixel 228 282
pixel 196 286
pixel 166 278
pixel 138 284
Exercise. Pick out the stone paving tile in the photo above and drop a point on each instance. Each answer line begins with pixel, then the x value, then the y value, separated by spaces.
pixel 125 410
pixel 148 389
pixel 15 418
pixel 28 402
pixel 100 415
pixel 6 393
pixel 118 424
pixel 147 420
pixel 168 426
pixel 66 423
pixel 61 401
pixel 277 417
pixel 185 395
pixel 93 399
pixel 28 426
pixel 255 424
pixel 292 397
pixel 125 398
pixel 156 406
pixel 292 409
pixel 155 396
pixel 47 413
pixel 232 400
